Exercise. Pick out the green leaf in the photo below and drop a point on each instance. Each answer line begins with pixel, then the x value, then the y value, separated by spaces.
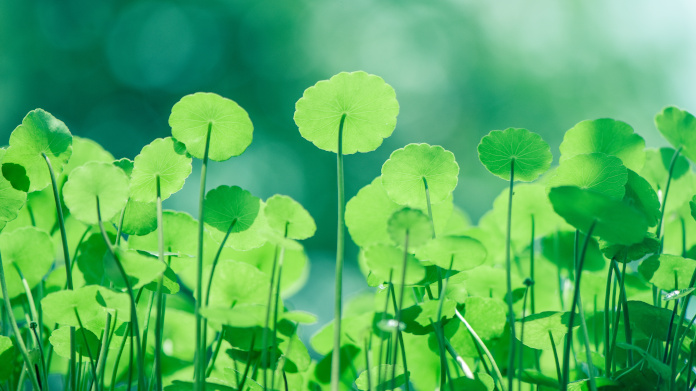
pixel 633 252
pixel 140 218
pixel 231 129
pixel 141 269
pixel 679 128
pixel 605 135
pixel 614 221
pixel 383 371
pixel 90 258
pixel 7 357
pixel 534 377
pixel 408 169
pixel 656 168
pixel 462 252
pixel 384 260
pixel 486 281
pixel 126 165
pixel 179 228
pixel 411 222
pixel 368 103
pixel 531 154
pixel 665 270
pixel 92 180
pixel 538 326
pixel 255 236
pixel 60 306
pixel 641 196
pixel 486 316
pixel 210 384
pixel 418 318
pixel 238 282
pixel 481 382
pixel 302 317
pixel 240 315
pixel 559 249
pixel 165 158
pixel 288 218
pixel 40 133
pixel 31 250
pixel 226 205
pixel 12 199
pixel 650 320
pixel 596 171
pixel 84 151
pixel 60 339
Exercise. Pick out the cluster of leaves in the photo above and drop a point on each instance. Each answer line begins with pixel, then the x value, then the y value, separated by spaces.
pixel 102 285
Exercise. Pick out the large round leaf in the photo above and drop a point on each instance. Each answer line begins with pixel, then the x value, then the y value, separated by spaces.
pixel 368 103
pixel 230 127
pixel 408 169
pixel 84 150
pixel 140 218
pixel 409 224
pixel 179 228
pixel 614 221
pixel 7 358
pixel 226 205
pixel 679 128
pixel 238 282
pixel 165 158
pixel 384 260
pixel 461 252
pixel 641 196
pixel 60 306
pixel 559 248
pixel 92 180
pixel 40 133
pixel 608 136
pixel 486 315
pixel 29 249
pixel 595 171
pixel 287 217
pixel 140 269
pixel 538 326
pixel 11 199
pixel 499 148
pixel 664 271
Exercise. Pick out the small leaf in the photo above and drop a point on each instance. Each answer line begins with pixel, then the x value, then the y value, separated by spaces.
pixel 180 227
pixel 486 316
pixel 31 250
pixel 662 271
pixel 462 252
pixel 92 180
pixel 538 326
pixel 230 127
pixel 614 221
pixel 596 171
pixel 383 371
pixel 226 205
pixel 288 218
pixel 405 174
pixel 165 158
pixel 411 222
pixel 368 103
pixel 140 218
pixel 679 128
pixel 238 282
pixel 531 154
pixel 40 133
pixel 384 260
pixel 12 199
pixel 605 135
pixel 60 306
pixel 126 165
pixel 419 318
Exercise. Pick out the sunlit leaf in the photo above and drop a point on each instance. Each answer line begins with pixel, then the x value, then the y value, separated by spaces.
pixel 664 271
pixel 240 315
pixel 486 316
pixel 226 205
pixel 596 171
pixel 140 218
pixel 92 180
pixel 679 128
pixel 7 357
pixel 499 148
pixel 461 252
pixel 40 133
pixel 605 135
pixel 60 339
pixel 230 127
pixel 84 150
pixel 29 249
pixel 405 174
pixel 614 221
pixel 163 158
pixel 60 306
pixel 367 101
pixel 641 196
pixel 238 282
pixel 657 163
pixel 12 199
pixel 384 260
pixel 141 269
pixel 538 326
pixel 384 372
pixel 559 248
pixel 287 217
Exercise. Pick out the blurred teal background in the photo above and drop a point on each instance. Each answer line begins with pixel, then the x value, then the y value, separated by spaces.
pixel 111 70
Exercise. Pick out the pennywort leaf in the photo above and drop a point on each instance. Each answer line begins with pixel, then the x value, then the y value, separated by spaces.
pixel 679 128
pixel 595 171
pixel 92 180
pixel 163 158
pixel 531 154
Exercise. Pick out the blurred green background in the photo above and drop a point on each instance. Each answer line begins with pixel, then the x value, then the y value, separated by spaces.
pixel 111 70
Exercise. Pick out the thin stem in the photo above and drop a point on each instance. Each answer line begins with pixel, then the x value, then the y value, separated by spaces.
pixel 430 209
pixel 276 303
pixel 367 363
pixel 555 357
pixel 479 342
pixel 398 314
pixel 66 256
pixel 216 351
pixel 658 230
pixel 159 316
pixel 524 310
pixel 248 363
pixel 340 253
pixel 133 310
pixel 620 276
pixel 574 304
pixel 89 351
pixel 532 297
pixel 199 356
pixel 39 343
pixel 607 347
pixel 508 272
pixel 267 322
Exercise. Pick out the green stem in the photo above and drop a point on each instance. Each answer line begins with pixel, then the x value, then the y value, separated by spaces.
pixel 479 342
pixel 532 297
pixel 658 231
pixel 559 376
pixel 524 310
pixel 607 322
pixel 508 273
pixel 216 351
pixel 276 302
pixel 199 357
pixel 159 316
pixel 267 322
pixel 66 256
pixel 133 310
pixel 39 343
pixel 340 253
pixel 385 312
pixel 574 304
pixel 248 363
pixel 367 363
pixel 398 315
pixel 430 208
pixel 89 351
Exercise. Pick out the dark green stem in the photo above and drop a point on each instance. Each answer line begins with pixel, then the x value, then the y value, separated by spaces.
pixel 216 351
pixel 607 322
pixel 508 272
pixel 89 351
pixel 397 316
pixel 199 357
pixel 658 230
pixel 430 208
pixel 340 253
pixel 555 357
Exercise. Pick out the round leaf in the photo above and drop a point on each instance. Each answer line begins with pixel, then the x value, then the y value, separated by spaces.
pixel 230 127
pixel 238 282
pixel 31 250
pixel 12 199
pixel 559 248
pixel 140 269
pixel 92 180
pixel 179 228
pixel 411 222
pixel 614 221
pixel 140 218
pixel 226 205
pixel 165 158
pixel 408 169
pixel 608 136
pixel 595 171
pixel 664 271
pixel 40 133
pixel 538 326
pixel 461 252
pixel 531 154
pixel 368 103
pixel 641 196
pixel 60 340
pixel 679 128
pixel 287 217
pixel 7 357
pixel 384 260
pixel 656 168
pixel 84 150
pixel 60 306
